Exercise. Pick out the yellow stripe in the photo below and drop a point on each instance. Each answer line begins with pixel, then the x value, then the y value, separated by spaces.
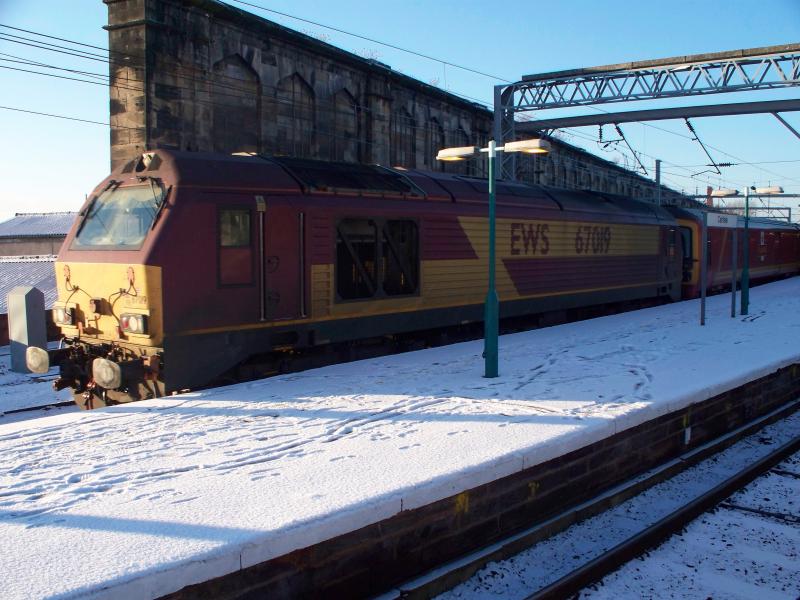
pixel 372 310
pixel 525 239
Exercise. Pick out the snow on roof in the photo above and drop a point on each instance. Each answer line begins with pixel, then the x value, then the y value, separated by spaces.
pixel 36 271
pixel 140 500
pixel 37 225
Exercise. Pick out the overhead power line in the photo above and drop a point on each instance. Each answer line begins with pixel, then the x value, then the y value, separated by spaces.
pixel 373 40
pixel 137 61
pixel 33 112
pixel 133 63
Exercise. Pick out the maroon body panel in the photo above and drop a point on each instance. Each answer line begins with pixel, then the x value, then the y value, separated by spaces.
pixel 559 275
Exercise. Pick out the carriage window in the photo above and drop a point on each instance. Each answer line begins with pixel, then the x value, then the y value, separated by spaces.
pixel 356 258
pixel 400 257
pixel 762 241
pixel 235 247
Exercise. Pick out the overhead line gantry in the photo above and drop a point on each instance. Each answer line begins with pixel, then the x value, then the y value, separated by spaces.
pixel 771 67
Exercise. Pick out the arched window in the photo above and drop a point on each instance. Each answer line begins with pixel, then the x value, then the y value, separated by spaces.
pixel 402 139
pixel 295 116
pixel 548 170
pixel 344 142
pixel 236 98
pixel 466 167
pixel 562 176
pixel 434 141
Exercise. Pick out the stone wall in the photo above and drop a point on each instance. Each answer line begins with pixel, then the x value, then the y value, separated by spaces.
pixel 201 75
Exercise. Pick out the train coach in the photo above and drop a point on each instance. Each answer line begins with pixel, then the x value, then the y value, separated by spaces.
pixel 774 250
pixel 183 266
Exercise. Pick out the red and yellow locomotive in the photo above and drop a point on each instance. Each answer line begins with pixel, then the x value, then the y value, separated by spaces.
pixel 182 266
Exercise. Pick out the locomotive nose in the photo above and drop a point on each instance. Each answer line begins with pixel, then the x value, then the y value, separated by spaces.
pixel 106 373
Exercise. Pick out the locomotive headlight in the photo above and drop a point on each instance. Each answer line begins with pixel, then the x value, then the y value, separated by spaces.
pixel 106 373
pixel 64 316
pixel 133 323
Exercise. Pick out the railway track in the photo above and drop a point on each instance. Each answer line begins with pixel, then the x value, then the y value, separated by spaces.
pixel 587 570
pixel 47 406
pixel 660 531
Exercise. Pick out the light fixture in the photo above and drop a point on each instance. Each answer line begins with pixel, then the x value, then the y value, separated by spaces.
pixel 454 154
pixel 63 315
pixel 133 323
pixel 537 146
pixel 767 191
pixel 724 193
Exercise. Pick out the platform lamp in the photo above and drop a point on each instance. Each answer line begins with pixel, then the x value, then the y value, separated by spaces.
pixel 491 316
pixel 763 191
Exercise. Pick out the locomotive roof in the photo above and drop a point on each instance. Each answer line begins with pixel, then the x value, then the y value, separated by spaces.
pixel 289 176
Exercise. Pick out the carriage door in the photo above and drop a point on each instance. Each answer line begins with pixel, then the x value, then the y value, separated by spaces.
pixel 281 263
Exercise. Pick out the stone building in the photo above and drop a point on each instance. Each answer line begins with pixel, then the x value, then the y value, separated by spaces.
pixel 29 243
pixel 202 75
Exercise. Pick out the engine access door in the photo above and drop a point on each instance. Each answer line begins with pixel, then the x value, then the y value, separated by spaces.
pixel 282 261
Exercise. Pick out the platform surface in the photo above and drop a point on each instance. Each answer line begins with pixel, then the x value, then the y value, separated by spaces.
pixel 142 499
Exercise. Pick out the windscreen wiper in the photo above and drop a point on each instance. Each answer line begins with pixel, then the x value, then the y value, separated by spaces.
pixel 160 204
pixel 87 211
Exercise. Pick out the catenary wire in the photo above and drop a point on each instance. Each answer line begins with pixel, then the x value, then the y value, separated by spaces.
pixel 96 57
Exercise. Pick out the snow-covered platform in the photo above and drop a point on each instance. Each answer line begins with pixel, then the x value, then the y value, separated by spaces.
pixel 356 474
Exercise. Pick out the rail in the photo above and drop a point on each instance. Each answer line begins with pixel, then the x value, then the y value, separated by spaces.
pixel 660 531
pixel 451 574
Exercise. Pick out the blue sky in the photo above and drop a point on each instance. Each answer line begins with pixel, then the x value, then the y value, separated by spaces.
pixel 51 164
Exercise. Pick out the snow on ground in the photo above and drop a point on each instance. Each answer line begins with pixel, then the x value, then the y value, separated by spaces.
pixel 557 556
pixel 731 553
pixel 25 390
pixel 142 499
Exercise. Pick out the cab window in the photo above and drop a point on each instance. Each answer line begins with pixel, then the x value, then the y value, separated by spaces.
pixel 119 218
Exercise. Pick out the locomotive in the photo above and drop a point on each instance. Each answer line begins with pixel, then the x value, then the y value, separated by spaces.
pixel 182 266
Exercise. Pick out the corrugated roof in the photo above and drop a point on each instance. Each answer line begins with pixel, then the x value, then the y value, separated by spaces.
pixel 36 271
pixel 37 224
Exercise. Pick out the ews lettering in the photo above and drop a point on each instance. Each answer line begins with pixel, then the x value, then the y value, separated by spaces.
pixel 529 238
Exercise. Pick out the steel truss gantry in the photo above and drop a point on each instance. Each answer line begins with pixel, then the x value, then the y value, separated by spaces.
pixel 771 67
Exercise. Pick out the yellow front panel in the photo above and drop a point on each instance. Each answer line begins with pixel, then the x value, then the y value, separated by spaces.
pixel 124 289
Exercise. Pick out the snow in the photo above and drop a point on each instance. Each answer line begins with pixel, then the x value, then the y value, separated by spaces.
pixel 142 499
pixel 729 553
pixel 20 391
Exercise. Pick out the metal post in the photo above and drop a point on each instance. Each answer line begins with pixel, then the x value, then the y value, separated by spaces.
pixel 746 254
pixel 734 267
pixel 27 326
pixel 261 207
pixel 658 181
pixel 491 316
pixel 703 269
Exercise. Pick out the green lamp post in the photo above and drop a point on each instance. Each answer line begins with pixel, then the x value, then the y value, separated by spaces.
pixel 491 313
